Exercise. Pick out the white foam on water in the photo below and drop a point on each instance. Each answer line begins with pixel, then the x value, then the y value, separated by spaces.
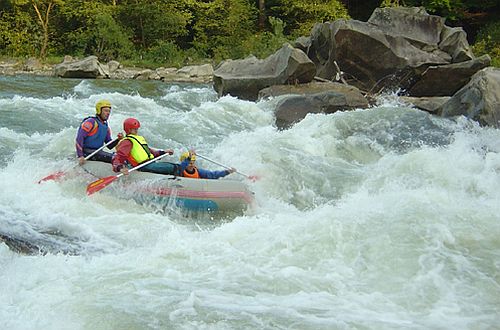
pixel 382 219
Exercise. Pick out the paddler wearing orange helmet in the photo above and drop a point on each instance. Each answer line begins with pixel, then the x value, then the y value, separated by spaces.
pixel 93 133
pixel 133 150
pixel 189 169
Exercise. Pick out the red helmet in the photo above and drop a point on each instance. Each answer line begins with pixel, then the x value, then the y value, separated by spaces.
pixel 129 124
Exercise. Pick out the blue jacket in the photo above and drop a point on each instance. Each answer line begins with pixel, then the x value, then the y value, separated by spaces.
pixel 92 134
pixel 204 174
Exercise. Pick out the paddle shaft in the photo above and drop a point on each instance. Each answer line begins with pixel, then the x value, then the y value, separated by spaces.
pixel 59 174
pixel 96 151
pixel 147 163
pixel 217 163
pixel 102 183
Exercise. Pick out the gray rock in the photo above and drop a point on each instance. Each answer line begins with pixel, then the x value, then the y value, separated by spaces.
pixel 312 98
pixel 89 67
pixel 113 66
pixel 478 100
pixel 413 24
pixel 244 78
pixel 429 104
pixel 454 42
pixel 446 80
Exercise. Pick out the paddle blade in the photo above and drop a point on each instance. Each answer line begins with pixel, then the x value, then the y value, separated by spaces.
pixel 53 176
pixel 100 184
pixel 253 178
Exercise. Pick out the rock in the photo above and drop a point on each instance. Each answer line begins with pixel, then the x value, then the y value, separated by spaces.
pixel 145 74
pixel 446 80
pixel 478 100
pixel 244 78
pixel 388 51
pixel 32 64
pixel 302 43
pixel 113 66
pixel 411 23
pixel 454 42
pixel 89 67
pixel 366 55
pixel 312 98
pixel 429 104
pixel 197 70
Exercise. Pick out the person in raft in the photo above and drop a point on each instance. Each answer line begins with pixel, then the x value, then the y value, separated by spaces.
pixel 133 150
pixel 189 169
pixel 93 133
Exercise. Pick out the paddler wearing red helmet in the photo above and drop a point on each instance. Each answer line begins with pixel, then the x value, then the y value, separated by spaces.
pixel 133 150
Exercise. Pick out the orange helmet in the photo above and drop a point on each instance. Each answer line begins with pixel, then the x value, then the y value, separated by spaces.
pixel 129 124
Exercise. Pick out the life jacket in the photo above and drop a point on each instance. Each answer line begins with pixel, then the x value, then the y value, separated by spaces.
pixel 194 175
pixel 96 132
pixel 140 151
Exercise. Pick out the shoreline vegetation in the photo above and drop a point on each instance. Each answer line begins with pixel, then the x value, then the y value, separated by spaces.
pixel 154 34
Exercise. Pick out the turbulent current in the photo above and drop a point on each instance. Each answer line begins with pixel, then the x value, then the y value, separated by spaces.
pixel 385 218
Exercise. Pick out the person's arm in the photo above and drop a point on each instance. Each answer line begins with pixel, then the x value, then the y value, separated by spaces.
pixel 183 165
pixel 206 174
pixel 83 132
pixel 108 136
pixel 121 155
pixel 157 152
pixel 119 136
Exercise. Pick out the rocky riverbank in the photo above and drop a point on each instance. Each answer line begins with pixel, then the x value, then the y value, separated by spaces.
pixel 340 66
pixel 91 68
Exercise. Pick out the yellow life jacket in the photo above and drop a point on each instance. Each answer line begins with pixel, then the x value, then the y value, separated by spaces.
pixel 140 151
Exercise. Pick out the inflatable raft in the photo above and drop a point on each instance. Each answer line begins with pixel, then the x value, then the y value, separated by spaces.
pixel 220 195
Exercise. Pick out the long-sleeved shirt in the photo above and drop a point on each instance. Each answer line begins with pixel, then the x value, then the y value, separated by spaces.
pixel 123 152
pixel 83 135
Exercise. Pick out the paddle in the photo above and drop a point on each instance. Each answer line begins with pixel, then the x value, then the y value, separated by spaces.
pixel 250 177
pixel 102 183
pixel 59 174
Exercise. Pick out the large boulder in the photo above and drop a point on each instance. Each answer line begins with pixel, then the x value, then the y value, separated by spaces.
pixel 454 42
pixel 244 78
pixel 298 101
pixel 413 24
pixel 478 100
pixel 389 50
pixel 446 80
pixel 89 67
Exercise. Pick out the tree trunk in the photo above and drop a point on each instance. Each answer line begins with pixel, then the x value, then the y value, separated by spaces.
pixel 44 22
pixel 262 15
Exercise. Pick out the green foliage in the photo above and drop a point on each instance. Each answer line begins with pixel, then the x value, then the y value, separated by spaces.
pixel 390 3
pixel 266 43
pixel 181 32
pixel 300 16
pixel 97 32
pixel 220 26
pixel 488 42
pixel 153 21
pixel 166 53
pixel 19 34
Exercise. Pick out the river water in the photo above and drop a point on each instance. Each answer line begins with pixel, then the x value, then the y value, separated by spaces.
pixel 387 218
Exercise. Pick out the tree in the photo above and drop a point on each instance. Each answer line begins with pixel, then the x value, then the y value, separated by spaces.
pixel 17 37
pixel 300 16
pixel 220 26
pixel 262 15
pixel 42 9
pixel 153 21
